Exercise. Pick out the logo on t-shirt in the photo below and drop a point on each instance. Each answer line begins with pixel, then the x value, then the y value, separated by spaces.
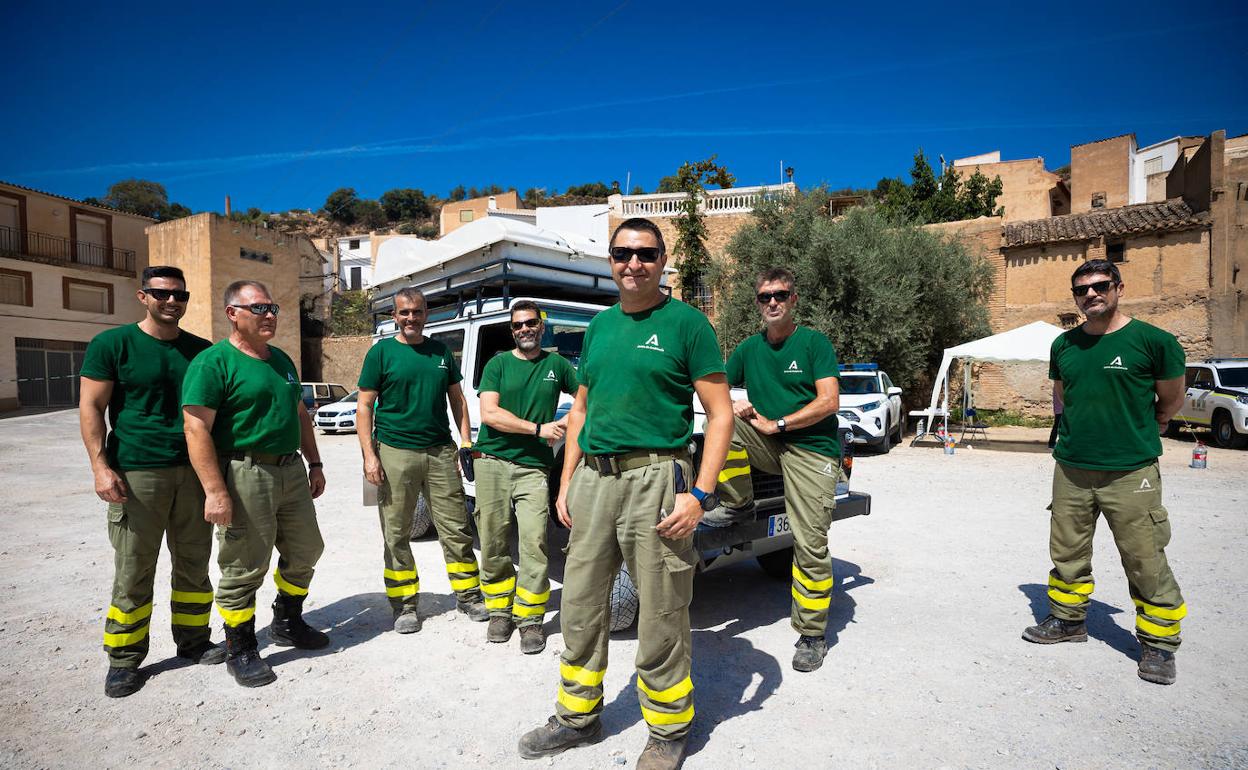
pixel 793 368
pixel 291 378
pixel 442 365
pixel 550 376
pixel 652 344
pixel 1116 364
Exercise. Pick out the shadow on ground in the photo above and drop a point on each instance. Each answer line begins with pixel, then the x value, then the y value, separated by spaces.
pixel 1100 625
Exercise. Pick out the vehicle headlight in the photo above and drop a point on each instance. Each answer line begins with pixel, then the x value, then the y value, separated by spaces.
pixel 1242 399
pixel 870 406
pixel 347 413
pixel 848 415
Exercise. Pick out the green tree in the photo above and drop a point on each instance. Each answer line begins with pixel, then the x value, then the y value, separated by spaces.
pixel 351 314
pixel 947 199
pixel 638 190
pixel 405 203
pixel 590 190
pixel 369 214
pixel 690 246
pixel 138 196
pixel 456 194
pixel 340 205
pixel 534 197
pixel 175 211
pixel 889 293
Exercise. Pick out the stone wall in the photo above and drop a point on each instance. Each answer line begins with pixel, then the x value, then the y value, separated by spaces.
pixel 1100 167
pixel 720 228
pixel 1027 189
pixel 342 357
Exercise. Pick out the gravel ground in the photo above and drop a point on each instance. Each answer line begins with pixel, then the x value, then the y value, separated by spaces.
pixel 926 668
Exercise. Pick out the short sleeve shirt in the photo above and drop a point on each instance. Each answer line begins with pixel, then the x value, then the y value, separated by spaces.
pixel 145 409
pixel 780 379
pixel 639 370
pixel 1109 399
pixel 257 401
pixel 411 383
pixel 529 390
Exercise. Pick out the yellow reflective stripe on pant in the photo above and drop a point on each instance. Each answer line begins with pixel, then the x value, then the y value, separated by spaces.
pixel 577 704
pixel 129 618
pixel 286 586
pixel 124 640
pixel 192 597
pixel 462 568
pixel 236 617
pixel 1148 627
pixel 187 619
pixel 1069 594
pixel 678 696
pixel 398 592
pixel 581 676
pixel 529 604
pixel 1178 613
pixel 401 584
pixel 737 464
pixel 817 595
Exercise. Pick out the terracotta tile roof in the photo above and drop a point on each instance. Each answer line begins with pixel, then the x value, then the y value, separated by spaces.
pixel 1128 220
pixel 73 200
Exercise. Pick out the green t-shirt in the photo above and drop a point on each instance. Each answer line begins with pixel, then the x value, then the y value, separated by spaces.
pixel 639 369
pixel 780 379
pixel 145 410
pixel 411 383
pixel 1108 381
pixel 529 390
pixel 257 402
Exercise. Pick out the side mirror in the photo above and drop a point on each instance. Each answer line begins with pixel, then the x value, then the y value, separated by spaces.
pixel 894 391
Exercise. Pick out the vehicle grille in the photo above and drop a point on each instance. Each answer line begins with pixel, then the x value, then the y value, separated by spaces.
pixel 766 485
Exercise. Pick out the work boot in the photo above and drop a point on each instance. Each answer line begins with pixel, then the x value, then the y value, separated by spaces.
pixel 722 516
pixel 532 639
pixel 407 621
pixel 1157 665
pixel 1053 629
pixel 205 653
pixel 662 755
pixel 120 682
pixel 288 628
pixel 500 628
pixel 242 658
pixel 474 607
pixel 810 653
pixel 553 738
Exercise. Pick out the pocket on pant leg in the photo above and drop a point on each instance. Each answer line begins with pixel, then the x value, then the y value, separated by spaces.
pixel 116 513
pixel 1161 527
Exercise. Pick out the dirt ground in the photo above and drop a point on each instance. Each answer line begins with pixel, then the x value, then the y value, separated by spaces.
pixel 925 669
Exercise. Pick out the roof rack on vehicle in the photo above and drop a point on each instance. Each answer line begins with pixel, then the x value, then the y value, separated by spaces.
pixel 1223 359
pixel 859 367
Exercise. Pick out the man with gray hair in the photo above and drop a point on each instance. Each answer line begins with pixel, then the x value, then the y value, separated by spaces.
pixel 245 423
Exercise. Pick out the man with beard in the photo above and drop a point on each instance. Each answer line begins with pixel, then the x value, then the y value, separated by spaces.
pixel 142 471
pixel 405 384
pixel 245 421
pixel 1120 381
pixel 519 393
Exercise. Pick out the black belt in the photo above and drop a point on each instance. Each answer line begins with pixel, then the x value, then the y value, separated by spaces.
pixel 614 465
pixel 263 458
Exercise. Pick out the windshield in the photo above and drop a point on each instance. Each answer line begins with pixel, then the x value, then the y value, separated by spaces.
pixel 350 397
pixel 858 385
pixel 1235 378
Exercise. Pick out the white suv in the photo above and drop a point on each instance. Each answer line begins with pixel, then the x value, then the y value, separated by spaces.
pixel 871 406
pixel 1217 398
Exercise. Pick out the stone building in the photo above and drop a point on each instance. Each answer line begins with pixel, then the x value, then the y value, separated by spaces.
pixel 1028 190
pixel 68 271
pixel 462 212
pixel 1114 172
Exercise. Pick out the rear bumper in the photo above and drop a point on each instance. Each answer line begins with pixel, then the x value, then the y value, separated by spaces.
pixel 720 539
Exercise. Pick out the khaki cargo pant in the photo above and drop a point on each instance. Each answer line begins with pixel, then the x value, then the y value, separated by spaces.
pixel 809 497
pixel 272 508
pixel 432 472
pixel 1131 502
pixel 613 519
pixel 500 483
pixel 163 503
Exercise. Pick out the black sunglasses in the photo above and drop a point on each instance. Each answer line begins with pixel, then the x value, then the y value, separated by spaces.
pixel 164 295
pixel 1100 287
pixel 530 323
pixel 260 308
pixel 645 254
pixel 765 297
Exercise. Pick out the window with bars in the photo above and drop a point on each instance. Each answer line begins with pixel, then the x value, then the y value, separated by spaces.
pixel 698 293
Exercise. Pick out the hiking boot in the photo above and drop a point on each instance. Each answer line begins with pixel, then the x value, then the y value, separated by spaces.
pixel 500 629
pixel 532 639
pixel 474 608
pixel 722 516
pixel 120 682
pixel 205 653
pixel 407 622
pixel 288 628
pixel 810 653
pixel 1053 630
pixel 662 755
pixel 243 660
pixel 1157 665
pixel 553 738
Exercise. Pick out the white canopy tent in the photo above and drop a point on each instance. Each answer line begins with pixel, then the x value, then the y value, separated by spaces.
pixel 1026 343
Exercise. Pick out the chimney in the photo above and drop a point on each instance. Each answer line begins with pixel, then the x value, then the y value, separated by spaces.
pixel 227 206
pixel 493 203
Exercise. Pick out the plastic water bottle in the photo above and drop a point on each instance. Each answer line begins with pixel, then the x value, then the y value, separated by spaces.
pixel 1200 456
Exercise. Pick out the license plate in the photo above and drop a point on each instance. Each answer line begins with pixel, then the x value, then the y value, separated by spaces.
pixel 778 525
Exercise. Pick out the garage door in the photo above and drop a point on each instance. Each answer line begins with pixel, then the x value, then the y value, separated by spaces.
pixel 47 371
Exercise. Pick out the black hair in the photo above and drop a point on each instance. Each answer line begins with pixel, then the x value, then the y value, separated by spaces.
pixel 641 224
pixel 526 304
pixel 163 271
pixel 1096 267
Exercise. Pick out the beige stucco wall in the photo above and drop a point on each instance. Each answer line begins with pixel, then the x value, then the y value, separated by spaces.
pixel 342 357
pixel 449 216
pixel 1103 166
pixel 1026 187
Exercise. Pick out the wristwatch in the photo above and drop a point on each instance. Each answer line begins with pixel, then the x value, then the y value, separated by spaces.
pixel 708 500
pixel 781 425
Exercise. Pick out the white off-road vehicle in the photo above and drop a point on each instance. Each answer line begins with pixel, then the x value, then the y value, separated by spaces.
pixel 871 404
pixel 1217 399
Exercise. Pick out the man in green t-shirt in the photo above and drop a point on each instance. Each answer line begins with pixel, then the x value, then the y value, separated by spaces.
pixel 519 393
pixel 787 425
pixel 245 426
pixel 1120 381
pixel 629 494
pixel 135 373
pixel 405 385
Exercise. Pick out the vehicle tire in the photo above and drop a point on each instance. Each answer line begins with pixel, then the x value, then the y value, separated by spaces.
pixel 886 443
pixel 624 601
pixel 421 520
pixel 777 564
pixel 1224 433
pixel 899 436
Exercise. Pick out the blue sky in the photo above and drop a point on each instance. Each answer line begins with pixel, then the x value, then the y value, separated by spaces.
pixel 278 104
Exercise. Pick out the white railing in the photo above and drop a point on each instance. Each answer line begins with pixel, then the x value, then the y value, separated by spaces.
pixel 735 200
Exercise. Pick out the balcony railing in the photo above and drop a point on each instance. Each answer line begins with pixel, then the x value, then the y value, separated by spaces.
pixel 735 200
pixel 55 249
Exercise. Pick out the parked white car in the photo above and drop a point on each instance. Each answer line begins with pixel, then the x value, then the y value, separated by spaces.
pixel 340 415
pixel 870 406
pixel 1217 399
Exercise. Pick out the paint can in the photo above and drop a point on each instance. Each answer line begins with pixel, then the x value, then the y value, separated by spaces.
pixel 1200 456
pixel 949 443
